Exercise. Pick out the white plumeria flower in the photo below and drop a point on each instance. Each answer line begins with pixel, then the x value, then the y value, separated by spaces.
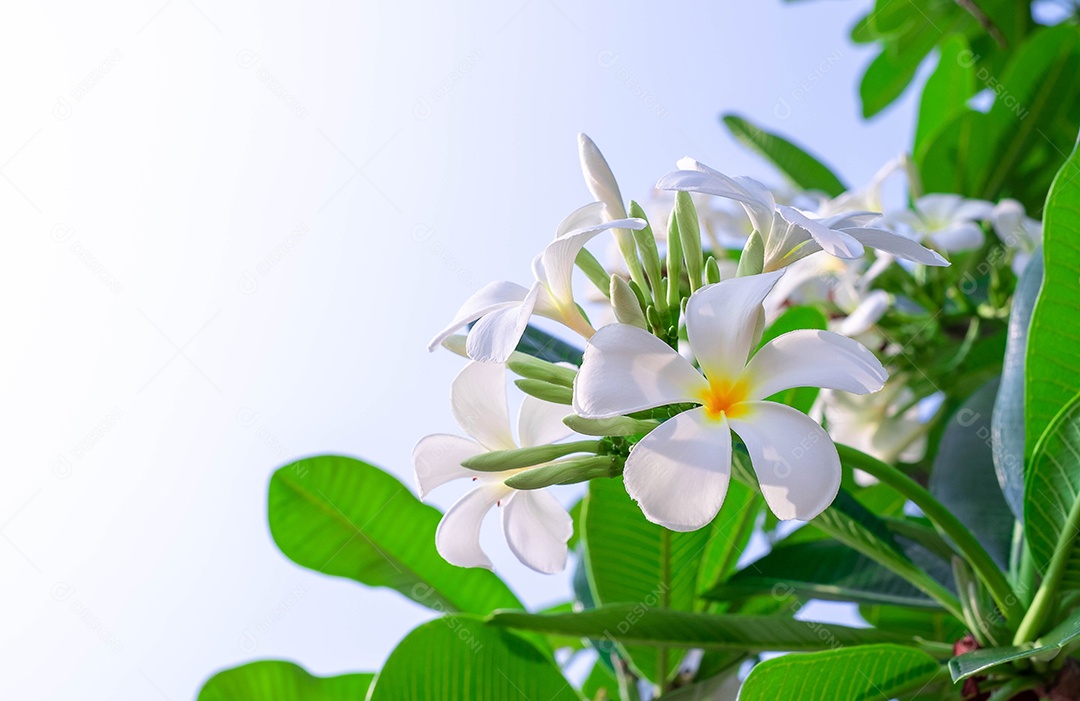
pixel 790 234
pixel 536 526
pixel 877 424
pixel 948 221
pixel 1018 231
pixel 869 196
pixel 502 310
pixel 679 472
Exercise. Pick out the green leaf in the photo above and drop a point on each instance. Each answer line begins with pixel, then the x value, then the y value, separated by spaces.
pixel 729 534
pixel 963 478
pixel 1053 349
pixel 601 679
pixel 459 658
pixel 1045 649
pixel 642 625
pixel 802 169
pixel 1052 492
pixel 866 673
pixel 821 569
pixel 542 345
pixel 793 319
pixel 943 156
pixel 948 89
pixel 1007 424
pixel 891 72
pixel 341 516
pixel 277 680
pixel 921 623
pixel 624 555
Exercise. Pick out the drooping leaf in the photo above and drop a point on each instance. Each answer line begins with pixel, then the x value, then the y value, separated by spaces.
pixel 866 673
pixel 1007 425
pixel 821 569
pixel 802 169
pixel 278 680
pixel 641 625
pixel 948 89
pixel 460 658
pixel 1049 645
pixel 343 517
pixel 922 623
pixel 1052 494
pixel 963 478
pixel 1052 365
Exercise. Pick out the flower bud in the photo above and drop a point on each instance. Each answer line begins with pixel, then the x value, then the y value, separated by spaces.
pixel 566 472
pixel 615 426
pixel 689 237
pixel 501 460
pixel 625 303
pixel 536 369
pixel 549 392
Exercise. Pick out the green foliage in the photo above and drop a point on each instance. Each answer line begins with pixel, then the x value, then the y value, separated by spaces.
pixel 1048 647
pixel 798 166
pixel 1052 368
pixel 274 680
pixel 341 516
pixel 459 658
pixel 858 674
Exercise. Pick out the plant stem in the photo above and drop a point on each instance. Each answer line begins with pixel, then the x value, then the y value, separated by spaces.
pixel 1046 595
pixel 946 523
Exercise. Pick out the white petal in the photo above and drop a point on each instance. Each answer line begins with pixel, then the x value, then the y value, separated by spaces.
pixel 437 460
pixel 697 177
pixel 722 321
pixel 974 210
pixel 589 215
pixel 458 536
pixel 540 422
pixel 869 311
pixel 900 246
pixel 832 241
pixel 813 358
pixel 626 369
pixel 795 460
pixel 537 528
pixel 938 206
pixel 495 336
pixel 556 263
pixel 599 178
pixel 679 473
pixel 478 401
pixel 489 298
pixel 960 236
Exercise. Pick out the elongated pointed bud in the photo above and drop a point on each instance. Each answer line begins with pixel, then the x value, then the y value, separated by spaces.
pixel 654 319
pixel 689 237
pixel 500 460
pixel 593 270
pixel 549 392
pixel 625 303
pixel 569 471
pixel 650 256
pixel 712 271
pixel 752 260
pixel 674 262
pixel 532 368
pixel 456 344
pixel 616 426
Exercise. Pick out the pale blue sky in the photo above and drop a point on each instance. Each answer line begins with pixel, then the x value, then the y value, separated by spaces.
pixel 230 232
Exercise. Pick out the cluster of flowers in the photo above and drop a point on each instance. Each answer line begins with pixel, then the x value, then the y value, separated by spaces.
pixel 662 388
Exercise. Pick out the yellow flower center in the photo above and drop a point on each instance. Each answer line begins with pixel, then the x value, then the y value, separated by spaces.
pixel 725 398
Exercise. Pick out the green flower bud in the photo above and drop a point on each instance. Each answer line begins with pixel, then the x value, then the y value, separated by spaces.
pixel 616 426
pixel 625 303
pixel 689 237
pixel 752 260
pixel 501 460
pixel 535 369
pixel 712 271
pixel 549 392
pixel 567 472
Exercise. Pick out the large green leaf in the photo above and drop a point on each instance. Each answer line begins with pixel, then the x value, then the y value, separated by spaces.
pixel 802 169
pixel 275 680
pixel 1052 494
pixel 1007 425
pixel 641 625
pixel 821 569
pixel 963 478
pixel 459 658
pixel 343 517
pixel 1053 348
pixel 872 672
pixel 1048 647
pixel 922 623
pixel 729 534
pixel 629 562
pixel 948 89
pixel 540 344
pixel 889 74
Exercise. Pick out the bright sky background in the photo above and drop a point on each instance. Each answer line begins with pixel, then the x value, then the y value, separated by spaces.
pixel 228 233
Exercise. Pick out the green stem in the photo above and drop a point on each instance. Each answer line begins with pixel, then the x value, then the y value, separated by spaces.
pixel 1046 595
pixel 946 523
